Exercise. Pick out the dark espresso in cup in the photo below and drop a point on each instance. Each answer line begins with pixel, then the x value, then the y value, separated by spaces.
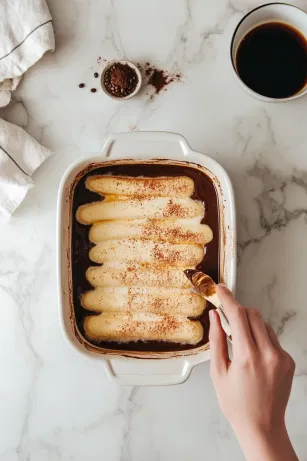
pixel 272 60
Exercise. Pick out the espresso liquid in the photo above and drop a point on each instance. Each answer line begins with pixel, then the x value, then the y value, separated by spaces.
pixel 204 192
pixel 272 60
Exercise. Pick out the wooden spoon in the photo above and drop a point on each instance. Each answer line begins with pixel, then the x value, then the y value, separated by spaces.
pixel 206 287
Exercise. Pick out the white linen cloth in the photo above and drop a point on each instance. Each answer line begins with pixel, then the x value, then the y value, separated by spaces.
pixel 26 33
pixel 20 155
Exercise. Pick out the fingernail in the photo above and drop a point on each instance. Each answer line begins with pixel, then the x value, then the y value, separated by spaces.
pixel 211 315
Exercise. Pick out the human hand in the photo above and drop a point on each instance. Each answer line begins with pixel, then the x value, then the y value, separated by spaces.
pixel 253 388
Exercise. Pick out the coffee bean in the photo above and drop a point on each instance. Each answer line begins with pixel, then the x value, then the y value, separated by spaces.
pixel 120 80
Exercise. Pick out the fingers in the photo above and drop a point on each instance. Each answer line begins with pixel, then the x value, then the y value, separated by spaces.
pixel 288 361
pixel 240 330
pixel 218 344
pixel 273 336
pixel 258 328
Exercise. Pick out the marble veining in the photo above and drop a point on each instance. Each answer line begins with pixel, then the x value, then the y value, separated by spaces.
pixel 56 405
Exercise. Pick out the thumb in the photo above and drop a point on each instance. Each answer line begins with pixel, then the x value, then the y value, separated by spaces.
pixel 218 345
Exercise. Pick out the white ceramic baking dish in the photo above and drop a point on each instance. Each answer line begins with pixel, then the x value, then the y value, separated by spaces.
pixel 141 368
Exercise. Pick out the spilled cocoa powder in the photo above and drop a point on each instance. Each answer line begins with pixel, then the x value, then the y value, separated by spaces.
pixel 159 79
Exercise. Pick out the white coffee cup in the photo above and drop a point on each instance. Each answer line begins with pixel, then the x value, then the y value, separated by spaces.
pixel 271 12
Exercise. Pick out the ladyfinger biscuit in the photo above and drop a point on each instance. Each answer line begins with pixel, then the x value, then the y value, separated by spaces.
pixel 147 251
pixel 156 208
pixel 178 186
pixel 142 327
pixel 174 231
pixel 156 300
pixel 118 274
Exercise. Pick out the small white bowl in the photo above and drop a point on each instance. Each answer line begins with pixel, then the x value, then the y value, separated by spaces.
pixel 137 88
pixel 271 12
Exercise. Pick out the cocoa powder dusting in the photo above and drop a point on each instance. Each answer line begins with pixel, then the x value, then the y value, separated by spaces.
pixel 152 230
pixel 132 274
pixel 174 209
pixel 157 304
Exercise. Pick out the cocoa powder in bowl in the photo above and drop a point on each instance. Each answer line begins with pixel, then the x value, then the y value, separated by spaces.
pixel 120 80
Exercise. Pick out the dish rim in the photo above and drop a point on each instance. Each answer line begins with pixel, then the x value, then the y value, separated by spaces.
pixel 188 357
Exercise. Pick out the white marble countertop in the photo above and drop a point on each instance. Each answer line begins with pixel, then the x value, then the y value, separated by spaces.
pixel 56 404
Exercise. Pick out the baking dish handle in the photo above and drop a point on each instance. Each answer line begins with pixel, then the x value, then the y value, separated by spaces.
pixel 146 144
pixel 153 372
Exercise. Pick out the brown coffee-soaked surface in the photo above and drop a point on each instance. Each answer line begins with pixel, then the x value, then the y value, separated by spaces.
pixel 204 191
